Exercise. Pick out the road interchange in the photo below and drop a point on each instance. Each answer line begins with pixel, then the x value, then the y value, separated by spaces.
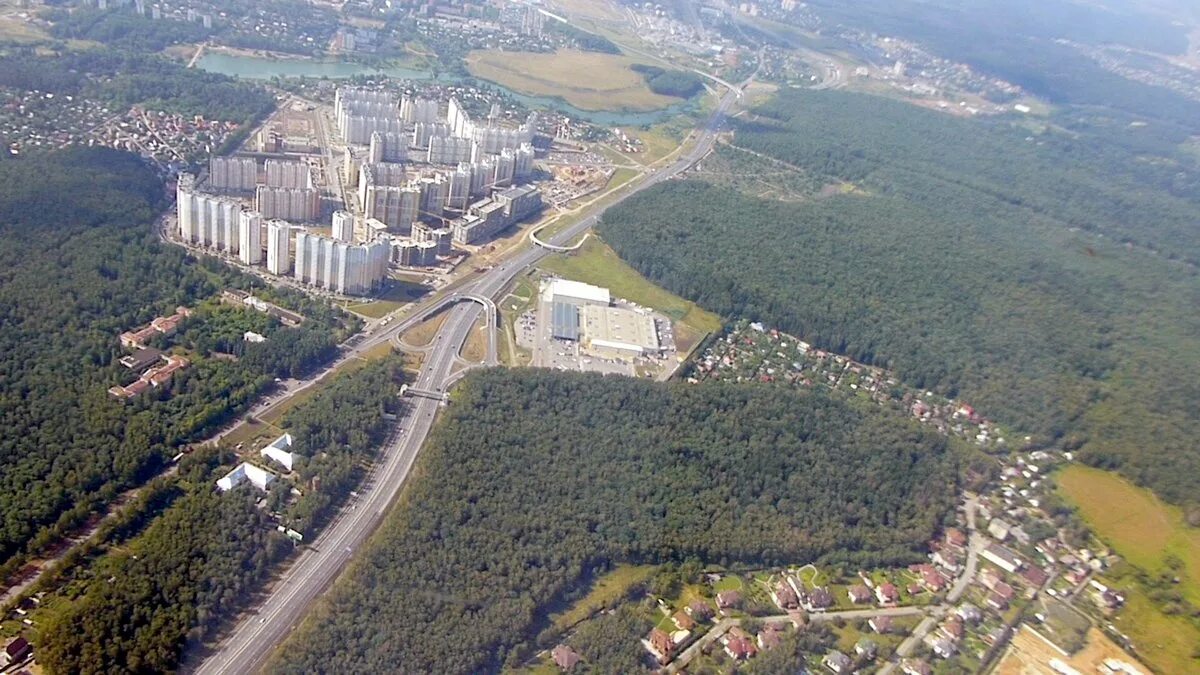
pixel 249 644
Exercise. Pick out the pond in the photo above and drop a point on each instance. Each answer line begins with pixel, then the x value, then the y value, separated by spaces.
pixel 265 68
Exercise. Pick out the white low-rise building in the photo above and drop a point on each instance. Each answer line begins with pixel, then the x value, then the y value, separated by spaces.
pixel 280 451
pixel 256 475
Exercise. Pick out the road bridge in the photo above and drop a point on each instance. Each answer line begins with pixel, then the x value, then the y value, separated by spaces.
pixel 249 644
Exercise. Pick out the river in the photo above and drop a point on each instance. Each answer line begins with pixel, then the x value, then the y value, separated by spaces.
pixel 264 68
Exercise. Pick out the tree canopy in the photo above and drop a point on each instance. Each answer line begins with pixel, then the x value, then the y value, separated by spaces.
pixel 538 480
pixel 1046 280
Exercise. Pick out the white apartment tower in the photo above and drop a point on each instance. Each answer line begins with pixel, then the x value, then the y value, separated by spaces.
pixel 279 242
pixel 250 242
pixel 343 226
pixel 232 173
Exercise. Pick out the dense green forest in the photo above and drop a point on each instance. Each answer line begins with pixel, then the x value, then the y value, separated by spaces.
pixel 123 28
pixel 1030 276
pixel 536 481
pixel 1022 41
pixel 76 272
pixel 123 79
pixel 679 83
pixel 337 434
pixel 203 560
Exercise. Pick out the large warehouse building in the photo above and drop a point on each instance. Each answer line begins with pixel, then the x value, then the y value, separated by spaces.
pixel 614 331
pixel 585 314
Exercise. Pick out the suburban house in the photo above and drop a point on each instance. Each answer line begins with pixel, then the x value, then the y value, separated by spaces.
pixel 17 651
pixel 564 657
pixel 769 637
pixel 682 621
pixel 999 529
pixel 887 593
pixel 969 613
pixel 1035 576
pixel 997 602
pixel 699 610
pixel 948 558
pixel 728 600
pixel 785 597
pixel 955 537
pixel 660 645
pixel 740 647
pixel 819 599
pixel 866 648
pixel 859 594
pixel 837 662
pixel 1002 558
pixel 941 646
pixel 880 624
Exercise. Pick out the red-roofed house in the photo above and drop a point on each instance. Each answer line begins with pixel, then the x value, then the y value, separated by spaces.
pixel 660 645
pixel 887 593
pixel 740 648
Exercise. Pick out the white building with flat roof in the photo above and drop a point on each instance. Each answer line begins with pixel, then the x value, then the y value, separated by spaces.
pixel 280 451
pixel 576 292
pixel 616 331
pixel 246 472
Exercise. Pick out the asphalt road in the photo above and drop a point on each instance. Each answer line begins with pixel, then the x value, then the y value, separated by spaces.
pixel 251 642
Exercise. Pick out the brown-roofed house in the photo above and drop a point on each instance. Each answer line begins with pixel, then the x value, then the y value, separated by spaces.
pixel 859 594
pixel 881 624
pixel 955 537
pixel 17 651
pixel 819 598
pixel 564 657
pixel 1035 576
pixel 728 599
pixel 785 597
pixel 769 637
pixel 661 645
pixel 700 610
pixel 682 621
pixel 740 648
pixel 887 593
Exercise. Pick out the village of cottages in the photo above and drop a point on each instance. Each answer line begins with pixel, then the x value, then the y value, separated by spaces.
pixel 1008 567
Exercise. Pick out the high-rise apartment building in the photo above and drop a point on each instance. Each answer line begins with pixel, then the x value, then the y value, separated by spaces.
pixel 250 243
pixel 279 240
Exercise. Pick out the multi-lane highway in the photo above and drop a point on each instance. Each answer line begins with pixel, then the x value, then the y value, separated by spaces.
pixel 251 642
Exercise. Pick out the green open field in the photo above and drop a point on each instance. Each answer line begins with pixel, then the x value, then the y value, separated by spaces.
pixel 1144 531
pixel 400 293
pixel 1135 523
pixel 596 263
pixel 587 80
pixel 13 28
pixel 605 591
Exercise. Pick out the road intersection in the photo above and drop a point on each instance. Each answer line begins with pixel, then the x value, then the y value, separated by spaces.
pixel 250 643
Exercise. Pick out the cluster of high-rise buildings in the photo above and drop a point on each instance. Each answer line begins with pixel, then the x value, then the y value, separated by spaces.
pixel 479 192
pixel 361 112
pixel 340 267
pixel 332 263
pixel 287 189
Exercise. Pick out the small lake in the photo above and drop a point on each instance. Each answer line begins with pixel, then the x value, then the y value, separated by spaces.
pixel 265 68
